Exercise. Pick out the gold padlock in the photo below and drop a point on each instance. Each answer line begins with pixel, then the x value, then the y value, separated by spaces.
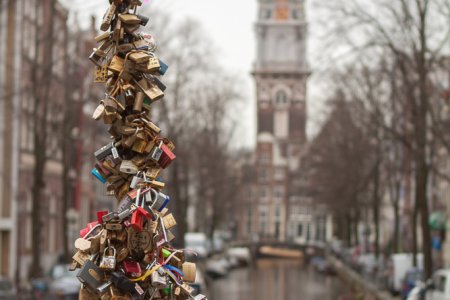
pixel 116 64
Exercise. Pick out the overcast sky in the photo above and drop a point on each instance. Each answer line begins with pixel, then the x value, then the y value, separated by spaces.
pixel 230 24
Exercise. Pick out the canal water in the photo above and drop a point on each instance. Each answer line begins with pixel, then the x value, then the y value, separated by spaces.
pixel 270 279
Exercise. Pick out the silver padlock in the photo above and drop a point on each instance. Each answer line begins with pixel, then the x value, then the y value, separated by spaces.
pixel 156 153
pixel 127 212
pixel 159 279
pixel 128 167
pixel 136 180
pixel 108 262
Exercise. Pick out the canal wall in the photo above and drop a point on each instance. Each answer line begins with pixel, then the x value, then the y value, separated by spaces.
pixel 366 290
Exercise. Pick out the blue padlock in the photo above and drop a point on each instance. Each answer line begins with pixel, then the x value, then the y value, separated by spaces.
pixel 97 174
pixel 163 67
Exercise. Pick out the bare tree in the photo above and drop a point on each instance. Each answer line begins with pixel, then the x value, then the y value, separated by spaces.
pixel 405 32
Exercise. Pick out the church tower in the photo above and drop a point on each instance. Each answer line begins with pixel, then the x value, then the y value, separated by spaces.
pixel 280 73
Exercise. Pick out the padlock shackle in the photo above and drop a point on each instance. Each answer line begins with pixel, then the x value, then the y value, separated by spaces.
pixel 90 231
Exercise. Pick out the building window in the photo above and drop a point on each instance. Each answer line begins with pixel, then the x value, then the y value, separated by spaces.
pixel 279 174
pixel 263 175
pixel 263 192
pixel 281 97
pixel 300 229
pixel 278 193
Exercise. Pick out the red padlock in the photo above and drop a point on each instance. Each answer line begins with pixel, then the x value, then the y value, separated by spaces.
pixel 137 218
pixel 100 215
pixel 167 156
pixel 88 228
pixel 132 268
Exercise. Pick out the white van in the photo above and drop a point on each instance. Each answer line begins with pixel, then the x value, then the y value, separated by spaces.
pixel 197 242
pixel 440 288
pixel 399 264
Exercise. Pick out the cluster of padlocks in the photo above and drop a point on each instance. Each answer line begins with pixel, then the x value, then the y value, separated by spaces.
pixel 126 254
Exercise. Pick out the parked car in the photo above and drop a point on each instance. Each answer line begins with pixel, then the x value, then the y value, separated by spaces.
pixel 197 242
pixel 399 264
pixel 63 283
pixel 7 290
pixel 412 277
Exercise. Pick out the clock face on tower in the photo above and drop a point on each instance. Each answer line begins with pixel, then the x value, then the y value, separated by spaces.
pixel 282 10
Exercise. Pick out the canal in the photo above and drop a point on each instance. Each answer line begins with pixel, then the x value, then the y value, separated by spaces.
pixel 272 279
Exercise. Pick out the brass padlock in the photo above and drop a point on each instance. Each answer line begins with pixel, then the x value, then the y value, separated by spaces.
pixel 81 257
pixel 107 19
pixel 100 74
pixel 128 167
pixel 138 102
pixel 169 221
pixel 129 19
pixel 116 64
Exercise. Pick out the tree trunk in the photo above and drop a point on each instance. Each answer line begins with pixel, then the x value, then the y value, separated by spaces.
pixel 396 242
pixel 376 207
pixel 414 235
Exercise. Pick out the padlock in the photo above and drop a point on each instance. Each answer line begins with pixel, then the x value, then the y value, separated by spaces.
pixel 128 167
pixel 104 151
pixel 100 74
pixel 97 175
pixel 110 104
pixel 141 241
pixel 167 156
pixel 200 297
pixel 139 146
pixel 81 257
pixel 125 285
pixel 132 268
pixel 116 64
pixel 114 226
pixel 157 200
pixel 91 275
pixel 154 93
pixel 190 271
pixel 108 262
pixel 129 19
pixel 99 112
pixel 159 279
pixel 136 180
pixel 139 57
pixel 82 244
pixel 112 216
pixel 138 217
pixel 158 185
pixel 186 289
pixel 169 221
pixel 155 154
pixel 118 31
pixel 138 102
pixel 124 48
pixel 153 172
pixel 90 229
pixel 170 236
pixel 102 36
pixel 104 288
pixel 107 18
pixel 164 67
pixel 100 215
pixel 144 20
pixel 122 254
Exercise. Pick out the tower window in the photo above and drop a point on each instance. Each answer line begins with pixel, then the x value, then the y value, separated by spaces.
pixel 281 97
